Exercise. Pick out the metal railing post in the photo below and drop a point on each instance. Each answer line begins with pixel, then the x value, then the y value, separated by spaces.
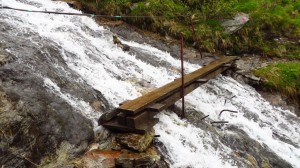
pixel 182 78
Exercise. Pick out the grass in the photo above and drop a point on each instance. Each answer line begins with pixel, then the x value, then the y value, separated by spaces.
pixel 269 19
pixel 273 29
pixel 283 76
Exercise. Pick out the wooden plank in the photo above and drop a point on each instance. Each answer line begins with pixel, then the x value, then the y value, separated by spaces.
pixel 141 129
pixel 121 117
pixel 177 96
pixel 138 104
pixel 168 101
pixel 147 125
pixel 137 120
pixel 115 126
pixel 140 119
pixel 156 107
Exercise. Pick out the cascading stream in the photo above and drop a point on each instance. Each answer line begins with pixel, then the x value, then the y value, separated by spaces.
pixel 87 51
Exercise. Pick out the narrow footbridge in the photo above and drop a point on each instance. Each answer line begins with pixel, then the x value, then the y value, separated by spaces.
pixel 138 115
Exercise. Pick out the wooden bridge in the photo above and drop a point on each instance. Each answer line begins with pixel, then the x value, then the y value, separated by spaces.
pixel 138 115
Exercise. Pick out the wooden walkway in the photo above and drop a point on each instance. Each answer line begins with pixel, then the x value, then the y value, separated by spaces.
pixel 138 115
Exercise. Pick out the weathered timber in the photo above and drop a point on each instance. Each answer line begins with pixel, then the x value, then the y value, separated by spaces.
pixel 141 129
pixel 157 107
pixel 138 115
pixel 139 104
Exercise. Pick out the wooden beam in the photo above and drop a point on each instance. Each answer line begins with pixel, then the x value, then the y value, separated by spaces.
pixel 139 104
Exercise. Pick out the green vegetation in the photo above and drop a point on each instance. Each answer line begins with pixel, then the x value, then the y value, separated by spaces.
pixel 273 29
pixel 282 76
pixel 269 20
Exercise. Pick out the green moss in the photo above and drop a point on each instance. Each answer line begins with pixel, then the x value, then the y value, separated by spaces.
pixel 283 76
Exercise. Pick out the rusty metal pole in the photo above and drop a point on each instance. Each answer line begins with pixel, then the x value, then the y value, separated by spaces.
pixel 182 78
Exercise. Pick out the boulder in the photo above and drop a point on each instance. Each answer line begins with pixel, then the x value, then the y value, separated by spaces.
pixel 236 23
pixel 34 119
pixel 120 158
pixel 136 142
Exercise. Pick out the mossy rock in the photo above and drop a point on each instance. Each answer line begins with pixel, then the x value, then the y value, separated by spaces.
pixel 136 142
pixel 265 164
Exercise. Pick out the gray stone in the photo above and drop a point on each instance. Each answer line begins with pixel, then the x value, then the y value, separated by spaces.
pixel 236 23
pixel 33 120
pixel 251 150
pixel 136 142
pixel 4 59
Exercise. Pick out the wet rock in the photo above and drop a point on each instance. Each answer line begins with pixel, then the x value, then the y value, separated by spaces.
pixel 109 144
pixel 110 153
pixel 121 158
pixel 125 47
pixel 98 158
pixel 97 105
pixel 279 100
pixel 249 149
pixel 38 122
pixel 265 164
pixel 120 44
pixel 4 59
pixel 243 73
pixel 149 158
pixel 166 43
pixel 35 120
pixel 136 142
pixel 252 160
pixel 73 4
pixel 101 133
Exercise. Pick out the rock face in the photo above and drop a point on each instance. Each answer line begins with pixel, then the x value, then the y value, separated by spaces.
pixel 245 151
pixel 4 59
pixel 33 120
pixel 243 74
pixel 254 152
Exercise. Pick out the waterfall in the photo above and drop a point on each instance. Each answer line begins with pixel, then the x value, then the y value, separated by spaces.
pixel 85 53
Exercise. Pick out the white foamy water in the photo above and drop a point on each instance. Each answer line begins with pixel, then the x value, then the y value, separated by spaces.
pixel 88 50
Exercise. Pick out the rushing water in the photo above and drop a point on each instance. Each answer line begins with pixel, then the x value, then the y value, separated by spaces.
pixel 88 51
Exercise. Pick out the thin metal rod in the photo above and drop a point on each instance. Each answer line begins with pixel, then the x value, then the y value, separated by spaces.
pixel 219 122
pixel 231 111
pixel 182 78
pixel 204 117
